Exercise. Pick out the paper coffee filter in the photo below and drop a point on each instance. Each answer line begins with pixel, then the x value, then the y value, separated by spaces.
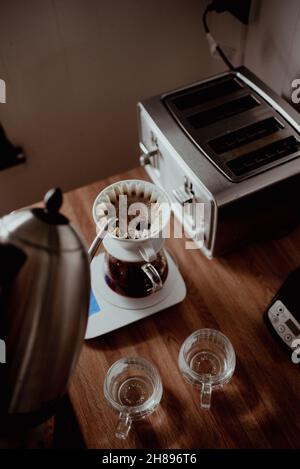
pixel 154 205
pixel 135 189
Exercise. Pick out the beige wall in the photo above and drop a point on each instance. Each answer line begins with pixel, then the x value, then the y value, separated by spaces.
pixel 74 71
pixel 273 43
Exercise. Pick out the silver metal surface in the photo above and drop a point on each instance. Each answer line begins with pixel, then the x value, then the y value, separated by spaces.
pixel 227 222
pixel 45 313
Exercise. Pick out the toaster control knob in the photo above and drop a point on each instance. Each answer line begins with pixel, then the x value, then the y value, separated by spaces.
pixel 144 160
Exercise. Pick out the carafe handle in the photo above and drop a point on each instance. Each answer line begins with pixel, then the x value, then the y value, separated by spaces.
pixel 153 276
pixel 147 252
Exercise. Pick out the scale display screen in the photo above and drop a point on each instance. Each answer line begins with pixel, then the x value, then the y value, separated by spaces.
pixel 292 326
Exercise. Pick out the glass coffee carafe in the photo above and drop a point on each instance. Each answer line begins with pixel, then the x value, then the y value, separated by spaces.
pixel 135 264
pixel 136 278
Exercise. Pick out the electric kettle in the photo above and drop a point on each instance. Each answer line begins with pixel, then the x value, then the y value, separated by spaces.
pixel 44 298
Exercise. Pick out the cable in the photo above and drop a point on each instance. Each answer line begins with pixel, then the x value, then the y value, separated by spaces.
pixel 213 45
pixel 204 18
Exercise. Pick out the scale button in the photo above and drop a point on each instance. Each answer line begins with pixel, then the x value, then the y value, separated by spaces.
pixel 288 337
pixel 281 328
pixel 280 309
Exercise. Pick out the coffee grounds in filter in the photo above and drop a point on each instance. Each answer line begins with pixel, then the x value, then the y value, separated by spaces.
pixel 143 214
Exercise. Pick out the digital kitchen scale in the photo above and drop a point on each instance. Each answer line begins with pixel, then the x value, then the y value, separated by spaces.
pixel 110 311
pixel 283 314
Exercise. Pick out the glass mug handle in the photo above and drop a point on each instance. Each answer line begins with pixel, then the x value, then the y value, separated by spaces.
pixel 205 395
pixel 124 426
pixel 153 276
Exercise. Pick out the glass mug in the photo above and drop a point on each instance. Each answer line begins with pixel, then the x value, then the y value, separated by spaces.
pixel 133 388
pixel 134 266
pixel 207 361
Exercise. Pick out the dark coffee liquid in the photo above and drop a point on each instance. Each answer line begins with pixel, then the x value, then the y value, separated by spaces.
pixel 128 278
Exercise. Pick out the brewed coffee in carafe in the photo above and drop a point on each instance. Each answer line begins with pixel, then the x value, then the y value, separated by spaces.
pixel 129 279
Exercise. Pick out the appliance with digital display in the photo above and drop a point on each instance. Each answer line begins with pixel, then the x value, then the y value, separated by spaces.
pixel 283 314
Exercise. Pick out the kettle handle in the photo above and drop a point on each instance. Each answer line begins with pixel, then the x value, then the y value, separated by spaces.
pixel 12 260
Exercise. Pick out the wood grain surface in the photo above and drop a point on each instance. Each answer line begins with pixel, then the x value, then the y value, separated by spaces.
pixel 260 406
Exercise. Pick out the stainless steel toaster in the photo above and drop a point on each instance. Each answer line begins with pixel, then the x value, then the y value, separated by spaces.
pixel 232 144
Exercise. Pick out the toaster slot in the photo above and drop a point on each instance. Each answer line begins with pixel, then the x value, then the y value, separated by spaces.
pixel 228 109
pixel 245 135
pixel 265 155
pixel 204 94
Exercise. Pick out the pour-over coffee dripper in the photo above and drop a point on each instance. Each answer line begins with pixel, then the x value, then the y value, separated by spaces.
pixel 135 263
pixel 110 310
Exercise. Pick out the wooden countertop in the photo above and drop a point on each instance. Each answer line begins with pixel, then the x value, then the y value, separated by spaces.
pixel 259 408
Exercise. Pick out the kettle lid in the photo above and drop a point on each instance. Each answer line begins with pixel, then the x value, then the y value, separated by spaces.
pixel 43 227
pixel 50 213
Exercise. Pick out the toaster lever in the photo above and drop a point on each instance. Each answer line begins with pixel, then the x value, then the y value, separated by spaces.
pixel 186 197
pixel 185 194
pixel 182 196
pixel 146 156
